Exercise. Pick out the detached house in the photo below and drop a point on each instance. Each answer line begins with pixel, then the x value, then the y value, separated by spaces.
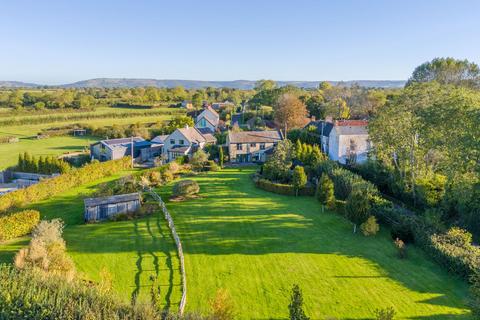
pixel 184 142
pixel 208 118
pixel 345 141
pixel 248 146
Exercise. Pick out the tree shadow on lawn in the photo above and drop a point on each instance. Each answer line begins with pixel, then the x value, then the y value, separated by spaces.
pixel 233 217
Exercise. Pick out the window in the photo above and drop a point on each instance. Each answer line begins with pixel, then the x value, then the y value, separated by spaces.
pixel 262 146
pixel 239 146
pixel 172 141
pixel 253 145
pixel 181 142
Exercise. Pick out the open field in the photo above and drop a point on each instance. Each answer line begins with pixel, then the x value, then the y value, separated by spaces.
pixel 256 245
pixel 131 251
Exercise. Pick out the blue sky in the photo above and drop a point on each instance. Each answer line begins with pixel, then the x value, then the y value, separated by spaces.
pixel 63 41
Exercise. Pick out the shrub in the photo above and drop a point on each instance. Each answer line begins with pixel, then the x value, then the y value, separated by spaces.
pixel 186 188
pixel 357 208
pixel 370 227
pixel 455 250
pixel 299 178
pixel 210 165
pixel 431 190
pixel 222 306
pixel 198 160
pixel 47 251
pixel 325 192
pixel 50 187
pixel 17 224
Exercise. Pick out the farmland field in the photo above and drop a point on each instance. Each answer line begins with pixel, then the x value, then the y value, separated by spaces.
pixel 130 251
pixel 59 145
pixel 256 245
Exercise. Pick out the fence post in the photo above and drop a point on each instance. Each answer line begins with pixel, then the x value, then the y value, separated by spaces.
pixel 178 243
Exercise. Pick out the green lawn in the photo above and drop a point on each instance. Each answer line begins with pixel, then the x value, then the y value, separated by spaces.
pixel 131 251
pixel 256 245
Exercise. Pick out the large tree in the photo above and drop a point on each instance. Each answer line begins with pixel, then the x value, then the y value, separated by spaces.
pixel 290 112
pixel 447 71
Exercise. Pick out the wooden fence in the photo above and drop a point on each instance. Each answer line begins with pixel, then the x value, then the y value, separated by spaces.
pixel 171 225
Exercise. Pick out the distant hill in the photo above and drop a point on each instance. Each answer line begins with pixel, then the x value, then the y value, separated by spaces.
pixel 194 84
pixel 18 84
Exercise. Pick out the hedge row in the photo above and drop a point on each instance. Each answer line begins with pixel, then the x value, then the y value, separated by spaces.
pixel 50 187
pixel 461 258
pixel 17 224
pixel 286 189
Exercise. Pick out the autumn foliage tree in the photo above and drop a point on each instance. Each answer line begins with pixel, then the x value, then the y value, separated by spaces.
pixel 290 112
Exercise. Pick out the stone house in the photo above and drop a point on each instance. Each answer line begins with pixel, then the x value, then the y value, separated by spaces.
pixel 251 146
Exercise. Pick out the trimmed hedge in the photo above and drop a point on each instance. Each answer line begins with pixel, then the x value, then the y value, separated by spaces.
pixel 17 224
pixel 50 187
pixel 285 189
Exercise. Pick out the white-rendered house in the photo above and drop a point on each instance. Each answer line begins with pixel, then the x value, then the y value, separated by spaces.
pixel 208 118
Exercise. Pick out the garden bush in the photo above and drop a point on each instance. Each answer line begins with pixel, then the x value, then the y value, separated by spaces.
pixel 50 187
pixel 17 224
pixel 186 188
pixel 370 227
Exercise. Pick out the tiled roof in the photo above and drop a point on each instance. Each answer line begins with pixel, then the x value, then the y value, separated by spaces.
pixel 254 136
pixel 351 130
pixel 192 134
pixel 112 142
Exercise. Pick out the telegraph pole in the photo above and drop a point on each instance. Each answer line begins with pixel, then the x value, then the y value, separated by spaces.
pixel 131 150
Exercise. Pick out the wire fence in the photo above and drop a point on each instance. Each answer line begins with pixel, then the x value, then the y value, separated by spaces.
pixel 178 243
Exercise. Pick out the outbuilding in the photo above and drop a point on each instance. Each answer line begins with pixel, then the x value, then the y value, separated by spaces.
pixel 102 208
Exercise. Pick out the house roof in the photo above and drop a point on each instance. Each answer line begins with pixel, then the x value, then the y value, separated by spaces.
pixel 205 131
pixel 112 142
pixel 210 138
pixel 160 139
pixel 192 134
pixel 91 202
pixel 237 117
pixel 254 136
pixel 210 114
pixel 327 127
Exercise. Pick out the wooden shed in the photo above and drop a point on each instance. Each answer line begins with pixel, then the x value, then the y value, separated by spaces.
pixel 103 208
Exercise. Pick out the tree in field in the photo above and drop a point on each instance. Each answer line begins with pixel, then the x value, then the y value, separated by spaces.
pixel 447 71
pixel 357 208
pixel 325 191
pixel 289 112
pixel 277 167
pixel 296 304
pixel 299 179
